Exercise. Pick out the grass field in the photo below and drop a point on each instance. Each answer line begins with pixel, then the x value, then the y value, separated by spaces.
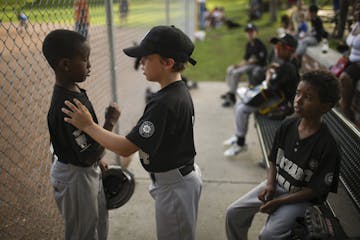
pixel 224 47
pixel 221 47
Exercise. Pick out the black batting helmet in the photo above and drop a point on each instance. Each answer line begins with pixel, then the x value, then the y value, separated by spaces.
pixel 119 185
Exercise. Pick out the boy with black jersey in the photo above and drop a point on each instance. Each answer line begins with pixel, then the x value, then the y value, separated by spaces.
pixel 281 77
pixel 75 172
pixel 304 164
pixel 253 65
pixel 163 135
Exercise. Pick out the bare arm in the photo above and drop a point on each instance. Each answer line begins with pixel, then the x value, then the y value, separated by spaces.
pixel 79 116
pixel 346 92
pixel 114 142
pixel 304 195
pixel 267 193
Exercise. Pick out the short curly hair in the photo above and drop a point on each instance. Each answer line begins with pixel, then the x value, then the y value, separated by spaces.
pixel 325 83
pixel 61 43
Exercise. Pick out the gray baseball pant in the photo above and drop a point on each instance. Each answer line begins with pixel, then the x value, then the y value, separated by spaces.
pixel 239 216
pixel 304 43
pixel 242 113
pixel 176 204
pixel 80 198
pixel 233 75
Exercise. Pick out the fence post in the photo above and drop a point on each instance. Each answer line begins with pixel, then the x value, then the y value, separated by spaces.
pixel 167 12
pixel 109 24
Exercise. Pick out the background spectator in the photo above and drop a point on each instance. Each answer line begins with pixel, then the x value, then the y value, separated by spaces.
pixel 252 65
pixel 349 79
pixel 316 35
pixel 124 10
pixel 23 21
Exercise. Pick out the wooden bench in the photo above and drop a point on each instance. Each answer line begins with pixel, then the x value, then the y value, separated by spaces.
pixel 345 205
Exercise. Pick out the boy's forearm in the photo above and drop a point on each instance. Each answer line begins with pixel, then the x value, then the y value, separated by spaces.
pixel 271 176
pixel 114 142
pixel 306 194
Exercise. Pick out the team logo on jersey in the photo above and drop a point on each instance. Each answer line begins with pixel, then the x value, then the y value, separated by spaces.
pixel 146 129
pixel 313 164
pixel 329 179
pixel 80 139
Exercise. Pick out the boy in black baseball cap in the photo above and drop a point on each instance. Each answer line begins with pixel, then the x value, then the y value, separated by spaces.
pixel 163 135
pixel 168 42
pixel 281 80
pixel 252 65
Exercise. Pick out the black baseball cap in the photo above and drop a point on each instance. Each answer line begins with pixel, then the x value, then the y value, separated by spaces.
pixel 250 27
pixel 287 40
pixel 167 41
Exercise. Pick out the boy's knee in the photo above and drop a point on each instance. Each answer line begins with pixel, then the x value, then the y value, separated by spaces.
pixel 231 213
pixel 267 234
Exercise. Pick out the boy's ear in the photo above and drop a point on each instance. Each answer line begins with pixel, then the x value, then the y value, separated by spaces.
pixel 169 62
pixel 64 64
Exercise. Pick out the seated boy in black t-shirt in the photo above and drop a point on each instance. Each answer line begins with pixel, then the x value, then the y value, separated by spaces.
pixel 304 164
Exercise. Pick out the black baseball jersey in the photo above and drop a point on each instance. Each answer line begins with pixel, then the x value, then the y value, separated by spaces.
pixel 70 144
pixel 286 79
pixel 164 133
pixel 313 162
pixel 258 50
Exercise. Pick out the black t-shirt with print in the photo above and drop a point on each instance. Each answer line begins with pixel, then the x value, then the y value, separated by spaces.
pixel 164 133
pixel 313 162
pixel 257 50
pixel 70 144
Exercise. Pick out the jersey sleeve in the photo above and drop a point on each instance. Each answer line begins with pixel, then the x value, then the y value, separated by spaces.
pixel 278 77
pixel 326 176
pixel 276 144
pixel 86 149
pixel 262 54
pixel 70 144
pixel 247 53
pixel 151 128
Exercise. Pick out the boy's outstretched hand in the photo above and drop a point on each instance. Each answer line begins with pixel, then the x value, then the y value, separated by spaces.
pixel 78 115
pixel 112 113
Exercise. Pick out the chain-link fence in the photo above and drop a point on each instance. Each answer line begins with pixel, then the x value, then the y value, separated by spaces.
pixel 27 208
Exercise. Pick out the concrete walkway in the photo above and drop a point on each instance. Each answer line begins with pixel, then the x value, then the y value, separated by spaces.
pixel 224 179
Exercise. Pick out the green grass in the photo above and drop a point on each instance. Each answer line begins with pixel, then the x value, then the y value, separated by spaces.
pixel 223 47
pixel 144 13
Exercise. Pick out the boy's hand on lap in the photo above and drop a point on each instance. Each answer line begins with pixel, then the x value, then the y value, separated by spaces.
pixel 270 206
pixel 78 115
pixel 267 193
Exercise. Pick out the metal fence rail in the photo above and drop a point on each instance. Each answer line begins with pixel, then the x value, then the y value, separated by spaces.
pixel 27 208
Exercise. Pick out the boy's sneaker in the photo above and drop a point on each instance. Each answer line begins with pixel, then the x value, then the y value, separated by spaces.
pixel 232 140
pixel 235 150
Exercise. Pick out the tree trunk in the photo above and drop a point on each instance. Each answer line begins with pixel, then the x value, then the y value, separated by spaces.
pixel 272 8
pixel 344 7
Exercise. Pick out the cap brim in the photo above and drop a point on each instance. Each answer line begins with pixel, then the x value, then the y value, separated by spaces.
pixel 136 51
